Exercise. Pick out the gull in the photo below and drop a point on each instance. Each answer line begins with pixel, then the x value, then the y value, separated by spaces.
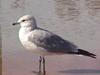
pixel 43 42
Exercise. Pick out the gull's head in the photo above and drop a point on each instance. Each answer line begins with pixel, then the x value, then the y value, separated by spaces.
pixel 26 21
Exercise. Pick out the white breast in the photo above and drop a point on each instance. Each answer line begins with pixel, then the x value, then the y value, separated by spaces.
pixel 23 36
pixel 30 45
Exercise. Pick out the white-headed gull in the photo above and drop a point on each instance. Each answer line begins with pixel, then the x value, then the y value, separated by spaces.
pixel 43 42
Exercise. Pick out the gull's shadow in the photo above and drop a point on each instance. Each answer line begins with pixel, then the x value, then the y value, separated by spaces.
pixel 38 73
pixel 80 71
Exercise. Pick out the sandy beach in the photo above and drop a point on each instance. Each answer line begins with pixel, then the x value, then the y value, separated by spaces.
pixel 74 20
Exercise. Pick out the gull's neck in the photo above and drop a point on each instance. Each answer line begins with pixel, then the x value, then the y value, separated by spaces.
pixel 26 29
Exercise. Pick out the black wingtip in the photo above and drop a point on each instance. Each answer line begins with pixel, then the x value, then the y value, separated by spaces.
pixel 86 53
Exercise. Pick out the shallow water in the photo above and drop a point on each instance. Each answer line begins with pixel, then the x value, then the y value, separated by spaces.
pixel 75 20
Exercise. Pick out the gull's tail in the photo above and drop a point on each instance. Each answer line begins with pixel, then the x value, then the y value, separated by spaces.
pixel 86 53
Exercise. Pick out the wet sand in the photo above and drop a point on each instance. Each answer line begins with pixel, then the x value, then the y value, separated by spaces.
pixel 24 63
pixel 0 64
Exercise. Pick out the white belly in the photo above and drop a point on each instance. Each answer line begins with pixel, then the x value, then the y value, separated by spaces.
pixel 32 47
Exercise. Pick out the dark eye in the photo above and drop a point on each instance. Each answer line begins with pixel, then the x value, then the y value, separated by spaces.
pixel 23 20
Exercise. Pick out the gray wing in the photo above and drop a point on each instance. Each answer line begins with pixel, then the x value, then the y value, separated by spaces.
pixel 52 42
